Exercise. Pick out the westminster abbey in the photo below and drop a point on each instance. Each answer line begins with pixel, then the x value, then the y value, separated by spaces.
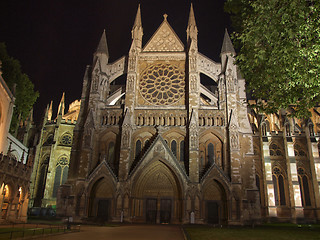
pixel 168 147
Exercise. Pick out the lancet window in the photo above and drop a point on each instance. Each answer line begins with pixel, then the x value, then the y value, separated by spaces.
pixel 304 187
pixel 278 184
pixel 61 174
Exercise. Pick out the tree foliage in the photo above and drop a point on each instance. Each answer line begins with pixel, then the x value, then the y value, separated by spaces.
pixel 279 52
pixel 24 88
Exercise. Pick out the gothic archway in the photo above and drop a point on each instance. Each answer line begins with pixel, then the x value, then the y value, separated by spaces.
pixel 100 200
pixel 156 195
pixel 215 203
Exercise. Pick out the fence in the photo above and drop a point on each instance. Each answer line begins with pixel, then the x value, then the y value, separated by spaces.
pixel 21 231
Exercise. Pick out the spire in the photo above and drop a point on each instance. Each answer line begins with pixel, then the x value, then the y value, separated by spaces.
pixel 192 30
pixel 227 46
pixel 49 110
pixel 137 21
pixel 137 31
pixel 61 106
pixel 192 20
pixel 103 46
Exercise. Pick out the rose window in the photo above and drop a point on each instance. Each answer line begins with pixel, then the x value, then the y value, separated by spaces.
pixel 66 140
pixel 162 84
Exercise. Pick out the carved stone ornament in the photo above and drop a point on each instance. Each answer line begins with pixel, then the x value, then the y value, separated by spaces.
pixel 194 139
pixel 193 83
pixel 193 63
pixel 125 138
pixel 131 83
pixel 164 40
pixel 95 80
pixel 159 148
pixel 234 140
pixel 230 81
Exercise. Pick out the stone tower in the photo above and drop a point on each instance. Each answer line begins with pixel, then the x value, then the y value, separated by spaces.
pixel 166 146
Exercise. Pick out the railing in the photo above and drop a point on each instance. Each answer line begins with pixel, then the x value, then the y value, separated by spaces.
pixel 22 231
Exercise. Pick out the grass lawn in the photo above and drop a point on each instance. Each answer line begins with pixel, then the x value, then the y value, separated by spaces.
pixel 266 232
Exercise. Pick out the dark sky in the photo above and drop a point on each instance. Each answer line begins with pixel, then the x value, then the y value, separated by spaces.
pixel 55 39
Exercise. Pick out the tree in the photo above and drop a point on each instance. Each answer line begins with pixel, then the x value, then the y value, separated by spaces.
pixel 279 52
pixel 24 92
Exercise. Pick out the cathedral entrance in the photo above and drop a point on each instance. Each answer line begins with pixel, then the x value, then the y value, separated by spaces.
pixel 215 203
pixel 151 210
pixel 165 210
pixel 156 196
pixel 213 212
pixel 100 200
pixel 103 209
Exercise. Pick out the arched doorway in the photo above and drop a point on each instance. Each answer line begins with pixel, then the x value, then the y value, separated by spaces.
pixel 157 195
pixel 100 200
pixel 215 203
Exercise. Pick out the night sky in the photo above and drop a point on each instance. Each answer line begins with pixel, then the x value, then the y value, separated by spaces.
pixel 55 40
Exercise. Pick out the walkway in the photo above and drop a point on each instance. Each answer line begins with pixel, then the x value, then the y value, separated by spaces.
pixel 124 232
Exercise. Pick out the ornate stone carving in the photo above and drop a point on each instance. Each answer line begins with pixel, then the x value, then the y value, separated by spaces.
pixel 132 63
pixel 95 80
pixel 125 138
pixel 164 40
pixel 131 80
pixel 159 148
pixel 193 63
pixel 193 83
pixel 194 138
pixel 230 81
pixel 234 140
pixel 162 84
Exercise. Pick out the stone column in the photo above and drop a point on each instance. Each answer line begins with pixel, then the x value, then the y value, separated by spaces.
pixel 271 205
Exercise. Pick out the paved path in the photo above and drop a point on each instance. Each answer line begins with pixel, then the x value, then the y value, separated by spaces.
pixel 124 232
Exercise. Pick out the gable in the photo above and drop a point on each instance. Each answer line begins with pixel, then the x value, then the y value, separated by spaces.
pixel 159 151
pixel 164 40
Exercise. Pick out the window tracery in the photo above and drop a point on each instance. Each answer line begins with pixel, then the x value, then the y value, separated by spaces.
pixel 298 151
pixel 162 84
pixel 61 174
pixel 66 140
pixel 278 184
pixel 304 187
pixel 275 150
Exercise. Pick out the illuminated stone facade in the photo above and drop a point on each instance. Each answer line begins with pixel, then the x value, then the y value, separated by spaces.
pixel 15 164
pixel 51 164
pixel 286 153
pixel 174 143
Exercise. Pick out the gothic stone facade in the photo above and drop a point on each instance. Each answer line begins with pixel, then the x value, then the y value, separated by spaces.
pixel 51 164
pixel 166 147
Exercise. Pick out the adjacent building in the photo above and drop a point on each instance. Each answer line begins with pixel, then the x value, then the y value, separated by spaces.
pixel 51 164
pixel 15 164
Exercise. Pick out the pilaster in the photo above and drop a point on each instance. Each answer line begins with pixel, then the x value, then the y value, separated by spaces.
pixel 293 181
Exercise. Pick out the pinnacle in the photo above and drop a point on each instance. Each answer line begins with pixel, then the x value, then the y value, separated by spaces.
pixel 227 46
pixel 137 22
pixel 192 20
pixel 103 47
